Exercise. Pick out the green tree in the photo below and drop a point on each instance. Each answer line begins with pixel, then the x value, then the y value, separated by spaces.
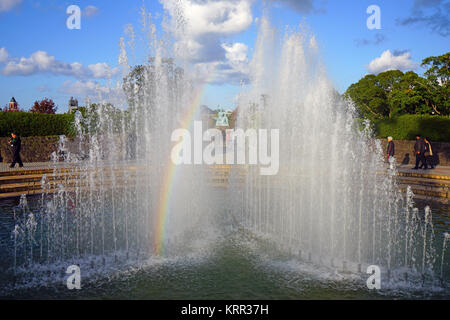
pixel 390 82
pixel 141 84
pixel 437 84
pixel 438 68
pixel 144 84
pixel 408 96
pixel 393 93
pixel 369 97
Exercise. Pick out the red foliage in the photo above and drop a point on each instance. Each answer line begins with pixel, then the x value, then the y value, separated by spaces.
pixel 44 106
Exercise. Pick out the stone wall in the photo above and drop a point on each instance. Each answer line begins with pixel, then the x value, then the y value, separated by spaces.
pixel 404 152
pixel 34 149
pixel 39 149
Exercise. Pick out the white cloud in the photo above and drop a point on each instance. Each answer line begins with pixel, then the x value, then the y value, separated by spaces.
pixel 220 17
pixel 88 88
pixel 200 26
pixel 90 11
pixel 102 70
pixel 3 55
pixel 221 72
pixel 388 61
pixel 6 5
pixel 91 88
pixel 233 69
pixel 237 59
pixel 95 91
pixel 41 62
pixel 236 52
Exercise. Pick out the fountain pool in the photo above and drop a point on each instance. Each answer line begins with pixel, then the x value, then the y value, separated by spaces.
pixel 139 226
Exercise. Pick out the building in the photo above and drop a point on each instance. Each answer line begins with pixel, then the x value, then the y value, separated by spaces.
pixel 13 106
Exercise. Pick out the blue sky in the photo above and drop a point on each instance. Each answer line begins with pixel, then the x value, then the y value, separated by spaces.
pixel 40 57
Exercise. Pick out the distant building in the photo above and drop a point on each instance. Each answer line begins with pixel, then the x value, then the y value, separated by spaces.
pixel 73 105
pixel 13 106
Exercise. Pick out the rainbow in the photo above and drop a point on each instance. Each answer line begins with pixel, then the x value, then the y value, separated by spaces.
pixel 168 179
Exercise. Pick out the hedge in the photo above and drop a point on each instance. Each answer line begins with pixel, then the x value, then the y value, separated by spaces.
pixel 35 124
pixel 406 127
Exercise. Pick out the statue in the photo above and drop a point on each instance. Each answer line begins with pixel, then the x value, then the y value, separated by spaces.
pixel 73 105
pixel 222 119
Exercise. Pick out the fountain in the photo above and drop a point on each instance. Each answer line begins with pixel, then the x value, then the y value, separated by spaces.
pixel 118 196
pixel 119 202
pixel 333 198
pixel 308 205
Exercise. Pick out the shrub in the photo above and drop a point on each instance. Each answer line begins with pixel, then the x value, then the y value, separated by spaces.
pixel 35 124
pixel 405 127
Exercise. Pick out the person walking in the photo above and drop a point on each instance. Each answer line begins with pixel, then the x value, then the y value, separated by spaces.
pixel 16 145
pixel 390 149
pixel 419 151
pixel 430 157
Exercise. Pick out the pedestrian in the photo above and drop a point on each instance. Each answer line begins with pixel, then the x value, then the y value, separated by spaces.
pixel 16 145
pixel 390 149
pixel 419 151
pixel 430 157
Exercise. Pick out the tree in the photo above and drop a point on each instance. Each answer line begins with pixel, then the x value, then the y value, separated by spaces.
pixel 142 81
pixel 145 85
pixel 437 84
pixel 390 81
pixel 369 97
pixel 408 97
pixel 394 93
pixel 438 68
pixel 44 106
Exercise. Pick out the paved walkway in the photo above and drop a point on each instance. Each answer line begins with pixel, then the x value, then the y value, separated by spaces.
pixel 31 165
pixel 4 167
pixel 439 170
pixel 430 184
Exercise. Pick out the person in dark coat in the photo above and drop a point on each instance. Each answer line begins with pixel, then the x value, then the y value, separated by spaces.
pixel 390 148
pixel 419 151
pixel 429 150
pixel 16 145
